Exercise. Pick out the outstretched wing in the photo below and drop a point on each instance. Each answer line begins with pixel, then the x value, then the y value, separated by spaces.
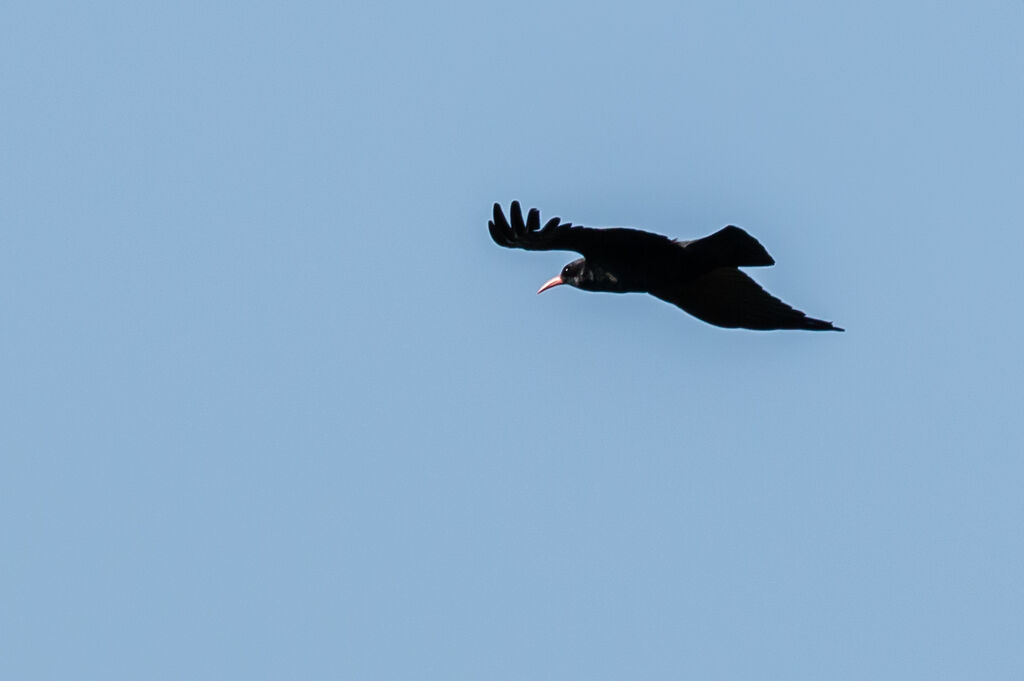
pixel 619 242
pixel 727 297
pixel 728 246
pixel 555 235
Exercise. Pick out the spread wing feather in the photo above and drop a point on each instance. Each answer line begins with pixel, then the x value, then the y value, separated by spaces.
pixel 727 297
pixel 555 235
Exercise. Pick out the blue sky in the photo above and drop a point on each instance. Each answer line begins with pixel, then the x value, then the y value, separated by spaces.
pixel 276 407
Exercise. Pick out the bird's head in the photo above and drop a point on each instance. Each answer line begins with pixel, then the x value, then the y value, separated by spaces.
pixel 582 275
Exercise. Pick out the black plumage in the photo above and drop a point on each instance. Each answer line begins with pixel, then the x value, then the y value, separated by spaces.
pixel 701 276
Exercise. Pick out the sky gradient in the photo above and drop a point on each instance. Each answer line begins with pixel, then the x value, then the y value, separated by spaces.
pixel 275 406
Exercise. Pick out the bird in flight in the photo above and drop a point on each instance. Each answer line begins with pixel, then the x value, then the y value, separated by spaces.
pixel 701 276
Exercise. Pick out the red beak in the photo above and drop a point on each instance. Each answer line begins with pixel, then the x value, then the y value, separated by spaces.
pixel 553 281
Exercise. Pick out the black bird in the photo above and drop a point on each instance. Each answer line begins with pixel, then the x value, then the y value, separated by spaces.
pixel 701 276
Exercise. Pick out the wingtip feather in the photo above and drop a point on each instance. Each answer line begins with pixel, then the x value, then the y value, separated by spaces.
pixel 516 219
pixel 533 220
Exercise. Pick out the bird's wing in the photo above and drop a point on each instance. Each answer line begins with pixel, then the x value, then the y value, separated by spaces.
pixel 553 236
pixel 727 297
pixel 558 236
pixel 730 246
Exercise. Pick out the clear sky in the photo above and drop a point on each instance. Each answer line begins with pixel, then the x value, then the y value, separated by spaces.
pixel 275 406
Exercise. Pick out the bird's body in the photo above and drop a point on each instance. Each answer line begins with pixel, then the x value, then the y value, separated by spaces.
pixel 701 276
